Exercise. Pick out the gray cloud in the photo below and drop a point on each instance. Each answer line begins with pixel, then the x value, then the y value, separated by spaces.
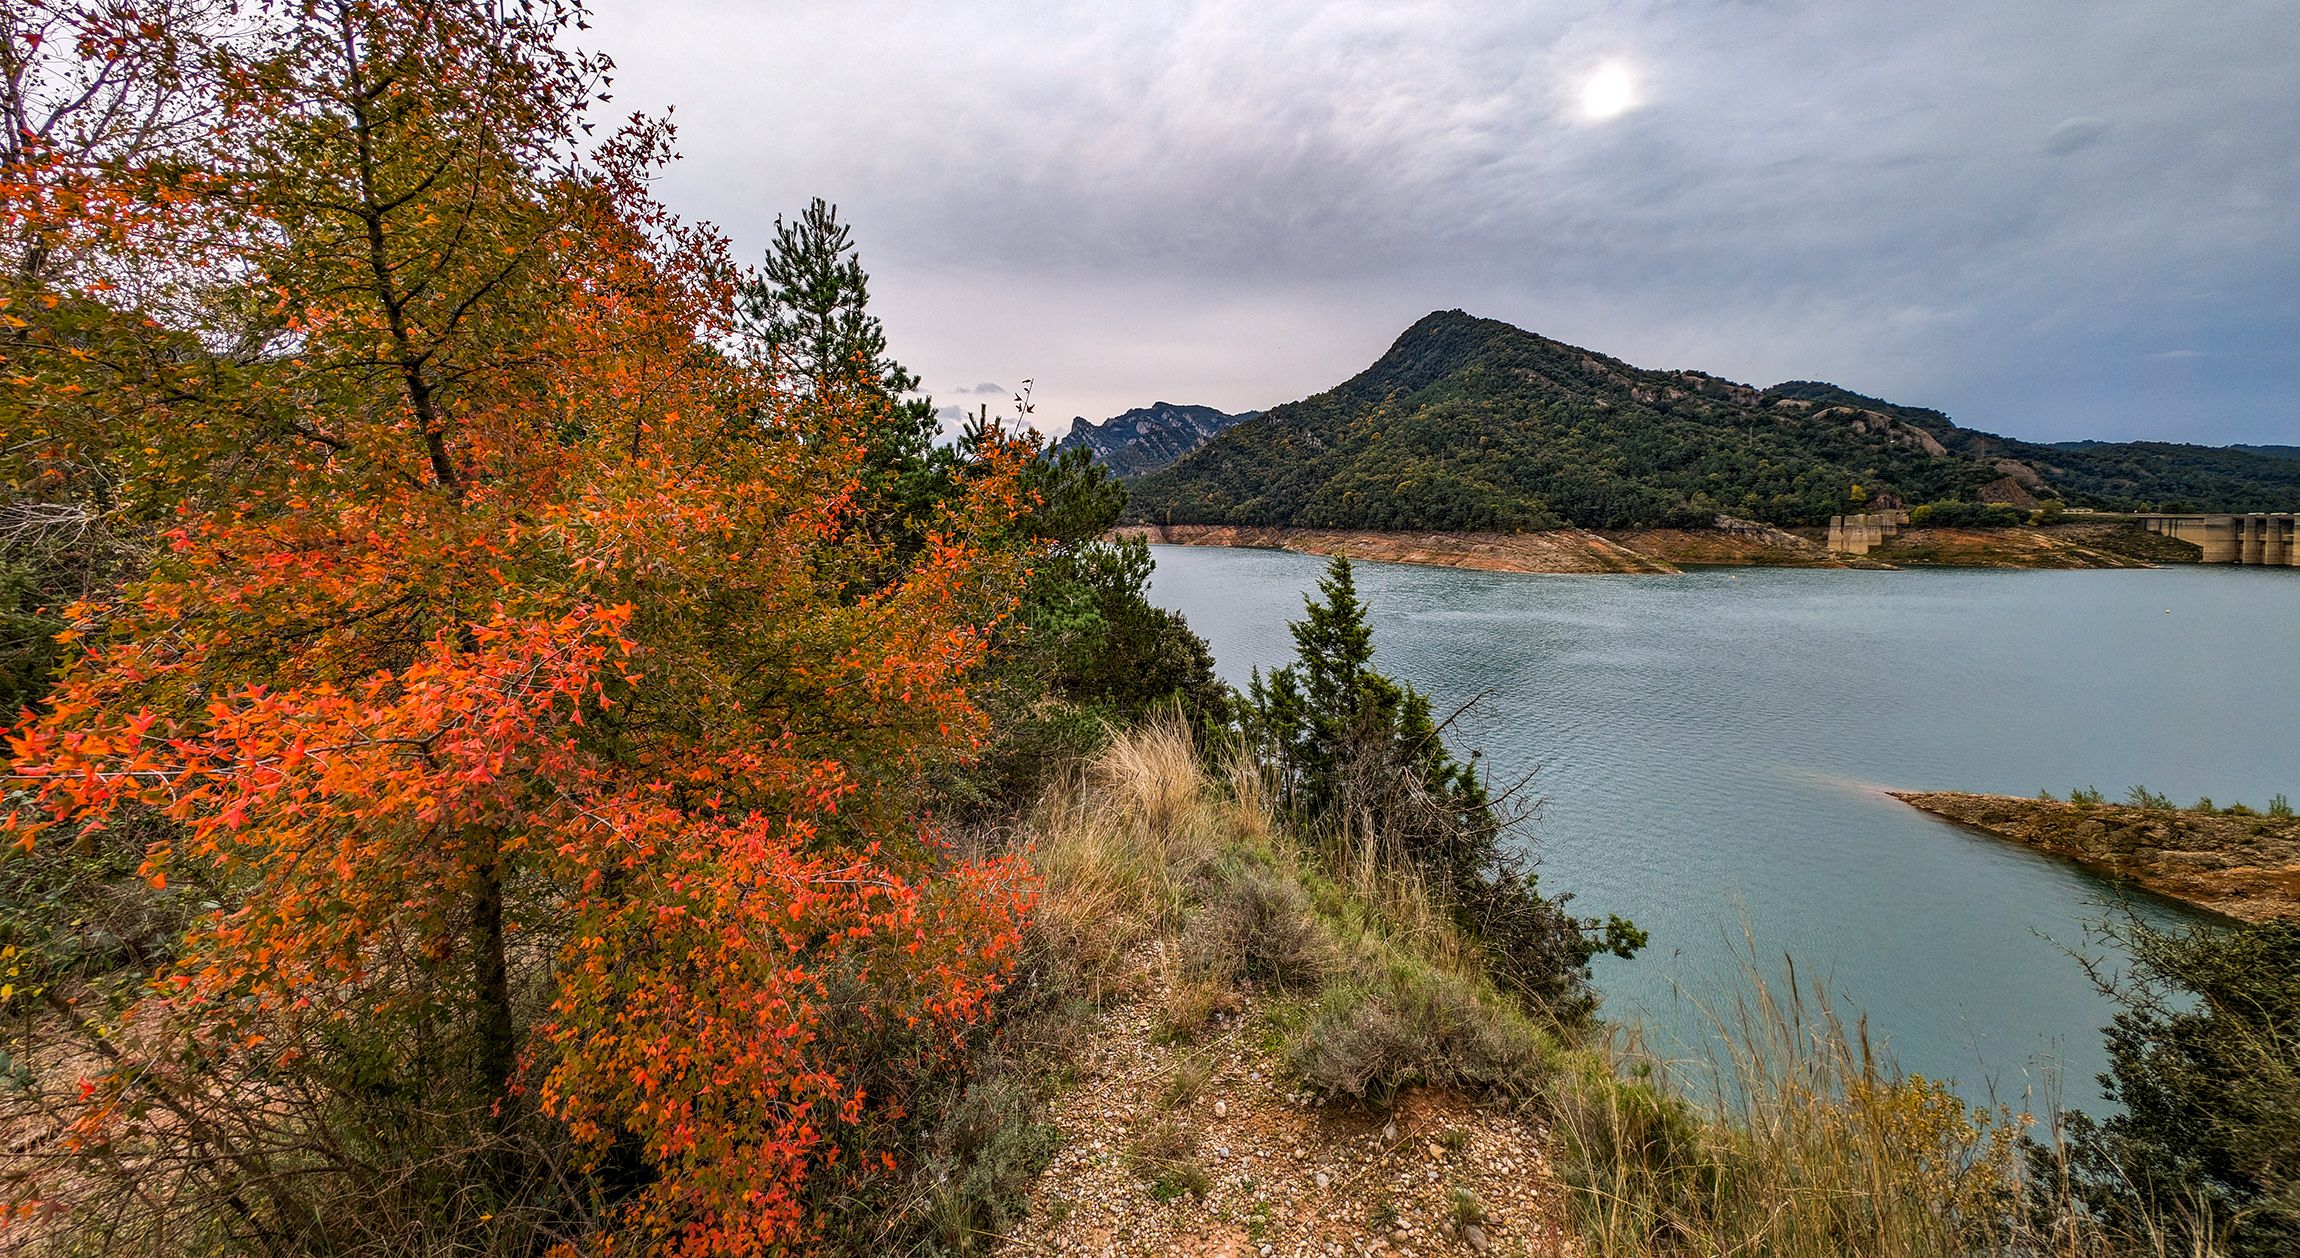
pixel 1239 205
pixel 2074 134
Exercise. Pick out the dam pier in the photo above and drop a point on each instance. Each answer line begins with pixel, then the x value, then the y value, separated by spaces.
pixel 2261 539
pixel 2266 540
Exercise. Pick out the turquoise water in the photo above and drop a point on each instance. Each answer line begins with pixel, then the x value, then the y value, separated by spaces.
pixel 1711 746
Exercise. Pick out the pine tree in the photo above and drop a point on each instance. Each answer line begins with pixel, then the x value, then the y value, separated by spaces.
pixel 1359 757
pixel 810 307
pixel 809 312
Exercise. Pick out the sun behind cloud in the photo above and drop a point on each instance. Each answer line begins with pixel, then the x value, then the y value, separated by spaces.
pixel 1609 92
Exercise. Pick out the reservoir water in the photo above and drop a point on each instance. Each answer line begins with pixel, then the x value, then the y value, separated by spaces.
pixel 1711 746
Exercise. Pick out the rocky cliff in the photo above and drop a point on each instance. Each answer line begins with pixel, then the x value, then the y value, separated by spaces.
pixel 1148 437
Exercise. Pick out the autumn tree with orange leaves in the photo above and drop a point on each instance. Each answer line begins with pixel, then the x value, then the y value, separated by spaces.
pixel 527 803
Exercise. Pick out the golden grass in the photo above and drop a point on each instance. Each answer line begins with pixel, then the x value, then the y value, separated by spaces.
pixel 1795 1136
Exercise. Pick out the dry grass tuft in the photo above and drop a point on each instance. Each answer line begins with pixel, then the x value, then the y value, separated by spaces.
pixel 1805 1141
pixel 1192 1005
pixel 1164 1155
pixel 1151 774
pixel 1256 924
pixel 1372 1036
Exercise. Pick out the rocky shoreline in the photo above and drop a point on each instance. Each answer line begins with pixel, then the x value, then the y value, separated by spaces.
pixel 2239 865
pixel 1671 550
pixel 1555 550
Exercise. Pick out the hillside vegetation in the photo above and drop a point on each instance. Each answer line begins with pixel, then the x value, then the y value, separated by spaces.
pixel 1469 423
pixel 2110 475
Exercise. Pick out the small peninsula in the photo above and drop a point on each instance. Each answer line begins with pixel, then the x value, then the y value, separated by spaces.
pixel 2231 861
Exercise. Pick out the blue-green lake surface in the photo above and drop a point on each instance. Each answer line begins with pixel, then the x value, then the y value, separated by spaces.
pixel 1711 748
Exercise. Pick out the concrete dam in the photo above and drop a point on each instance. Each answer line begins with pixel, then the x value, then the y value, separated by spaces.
pixel 2239 539
pixel 2262 539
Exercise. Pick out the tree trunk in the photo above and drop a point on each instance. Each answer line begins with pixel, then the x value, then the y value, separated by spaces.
pixel 495 1047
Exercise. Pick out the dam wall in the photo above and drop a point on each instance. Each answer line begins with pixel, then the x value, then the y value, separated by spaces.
pixel 2261 539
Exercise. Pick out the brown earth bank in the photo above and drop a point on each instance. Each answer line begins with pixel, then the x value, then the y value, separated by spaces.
pixel 2052 546
pixel 1551 550
pixel 1668 550
pixel 1751 545
pixel 2241 866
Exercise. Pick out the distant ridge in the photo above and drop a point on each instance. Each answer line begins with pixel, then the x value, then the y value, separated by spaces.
pixel 1148 437
pixel 1472 424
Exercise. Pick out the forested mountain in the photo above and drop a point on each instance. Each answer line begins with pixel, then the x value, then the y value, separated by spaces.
pixel 2118 475
pixel 1469 423
pixel 1148 437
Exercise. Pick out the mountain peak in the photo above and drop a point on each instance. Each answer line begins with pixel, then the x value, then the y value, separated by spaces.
pixel 1148 437
pixel 1437 345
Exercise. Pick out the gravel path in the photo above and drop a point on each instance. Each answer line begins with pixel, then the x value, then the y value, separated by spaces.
pixel 1199 1148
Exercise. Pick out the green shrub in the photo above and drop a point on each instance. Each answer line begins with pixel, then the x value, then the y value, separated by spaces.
pixel 1257 925
pixel 1955 514
pixel 985 1154
pixel 1371 1036
pixel 2203 1153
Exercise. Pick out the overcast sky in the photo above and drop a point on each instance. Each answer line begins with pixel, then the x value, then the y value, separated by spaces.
pixel 2049 219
